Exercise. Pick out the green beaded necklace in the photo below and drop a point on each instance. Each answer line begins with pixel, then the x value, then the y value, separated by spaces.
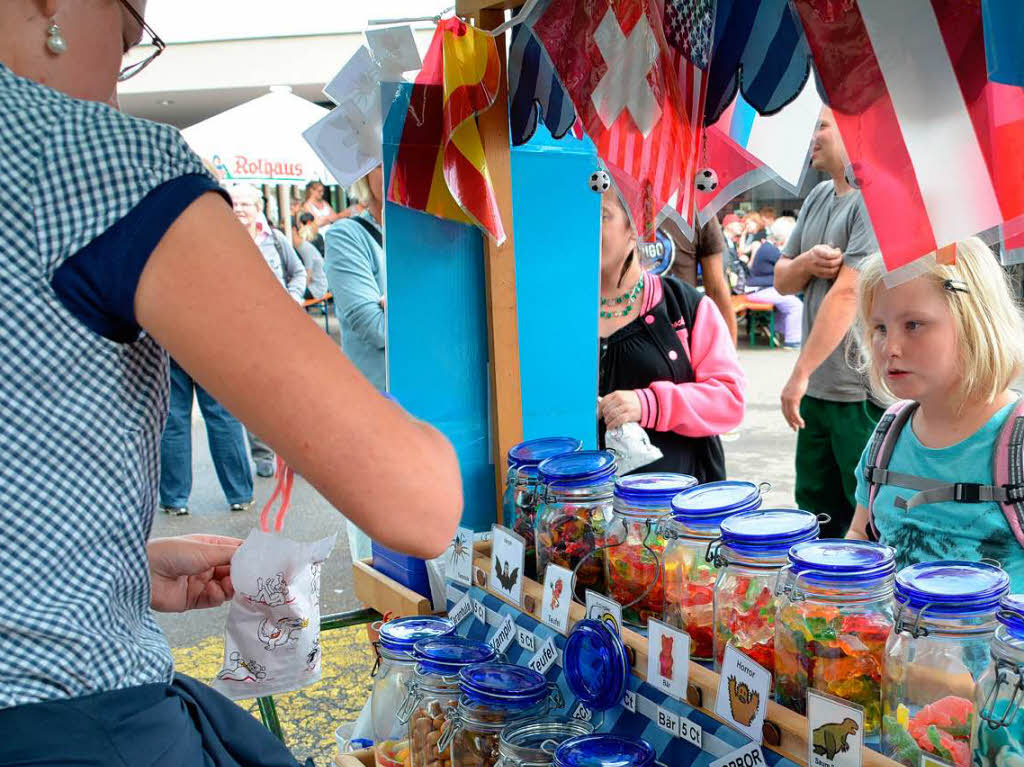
pixel 629 298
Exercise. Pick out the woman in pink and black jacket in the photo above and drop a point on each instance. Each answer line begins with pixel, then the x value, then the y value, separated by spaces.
pixel 667 361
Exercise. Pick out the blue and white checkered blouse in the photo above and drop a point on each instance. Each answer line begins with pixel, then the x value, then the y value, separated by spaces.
pixel 80 415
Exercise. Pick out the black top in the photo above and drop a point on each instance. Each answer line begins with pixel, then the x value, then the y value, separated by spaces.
pixel 762 270
pixel 636 355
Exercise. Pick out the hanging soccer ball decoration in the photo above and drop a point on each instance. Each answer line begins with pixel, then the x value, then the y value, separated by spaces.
pixel 600 181
pixel 707 180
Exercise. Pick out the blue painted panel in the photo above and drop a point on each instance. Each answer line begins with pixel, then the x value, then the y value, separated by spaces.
pixel 437 331
pixel 558 254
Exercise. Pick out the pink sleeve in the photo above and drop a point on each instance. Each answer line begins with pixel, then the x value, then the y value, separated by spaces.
pixel 713 403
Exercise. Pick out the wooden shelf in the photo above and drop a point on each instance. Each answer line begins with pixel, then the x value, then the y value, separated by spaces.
pixel 376 590
pixel 785 731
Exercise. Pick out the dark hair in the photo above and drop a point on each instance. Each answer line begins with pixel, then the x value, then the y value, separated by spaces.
pixel 629 259
pixel 305 218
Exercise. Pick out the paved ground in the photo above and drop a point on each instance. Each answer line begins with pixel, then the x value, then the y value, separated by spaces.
pixel 761 450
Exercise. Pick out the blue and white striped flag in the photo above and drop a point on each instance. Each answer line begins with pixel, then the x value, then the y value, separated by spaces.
pixel 533 85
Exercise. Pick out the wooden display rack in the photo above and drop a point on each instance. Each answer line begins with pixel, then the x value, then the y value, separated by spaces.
pixel 785 731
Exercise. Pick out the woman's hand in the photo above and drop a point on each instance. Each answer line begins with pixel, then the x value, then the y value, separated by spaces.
pixel 190 571
pixel 620 407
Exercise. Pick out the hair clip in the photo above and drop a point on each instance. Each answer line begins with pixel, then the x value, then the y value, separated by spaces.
pixel 955 286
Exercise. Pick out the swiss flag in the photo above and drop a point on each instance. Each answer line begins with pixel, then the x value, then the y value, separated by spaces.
pixel 617 67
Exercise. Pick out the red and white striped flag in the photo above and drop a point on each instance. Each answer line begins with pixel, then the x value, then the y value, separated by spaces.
pixel 938 149
pixel 614 61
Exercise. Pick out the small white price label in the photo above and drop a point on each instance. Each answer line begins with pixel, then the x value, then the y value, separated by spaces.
pixel 526 639
pixel 545 657
pixel 504 635
pixel 582 713
pixel 461 610
pixel 480 611
pixel 691 732
pixel 629 701
pixel 668 721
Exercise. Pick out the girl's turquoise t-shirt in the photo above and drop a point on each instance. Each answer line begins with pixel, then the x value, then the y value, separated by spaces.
pixel 948 530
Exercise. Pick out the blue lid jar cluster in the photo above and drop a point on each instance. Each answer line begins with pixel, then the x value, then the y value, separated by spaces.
pixel 998 730
pixel 522 488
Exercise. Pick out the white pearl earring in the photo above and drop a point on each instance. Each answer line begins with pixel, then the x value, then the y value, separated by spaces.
pixel 55 40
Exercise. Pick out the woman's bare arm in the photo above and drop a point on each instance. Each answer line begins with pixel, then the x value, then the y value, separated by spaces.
pixel 208 297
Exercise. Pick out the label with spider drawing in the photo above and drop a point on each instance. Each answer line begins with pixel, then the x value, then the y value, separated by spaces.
pixel 459 565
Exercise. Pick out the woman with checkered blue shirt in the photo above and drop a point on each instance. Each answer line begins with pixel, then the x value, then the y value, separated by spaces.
pixel 116 248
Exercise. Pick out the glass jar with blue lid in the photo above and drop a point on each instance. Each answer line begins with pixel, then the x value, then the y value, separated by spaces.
pixel 574 514
pixel 532 743
pixel 999 695
pixel 396 666
pixel 692 527
pixel 939 647
pixel 434 689
pixel 753 548
pixel 636 544
pixel 492 697
pixel 833 617
pixel 522 490
pixel 604 750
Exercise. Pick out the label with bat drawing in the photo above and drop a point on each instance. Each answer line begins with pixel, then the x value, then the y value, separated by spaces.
pixel 508 555
pixel 743 692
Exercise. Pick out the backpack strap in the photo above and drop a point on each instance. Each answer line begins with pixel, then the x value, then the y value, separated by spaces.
pixel 1008 469
pixel 373 231
pixel 883 442
pixel 681 302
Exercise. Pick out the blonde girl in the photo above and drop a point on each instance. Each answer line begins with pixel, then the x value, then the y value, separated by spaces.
pixel 951 342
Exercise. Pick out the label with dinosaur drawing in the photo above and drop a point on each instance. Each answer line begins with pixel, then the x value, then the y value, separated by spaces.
pixel 508 552
pixel 743 692
pixel 835 731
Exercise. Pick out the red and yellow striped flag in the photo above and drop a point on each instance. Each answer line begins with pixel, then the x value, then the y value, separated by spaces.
pixel 440 167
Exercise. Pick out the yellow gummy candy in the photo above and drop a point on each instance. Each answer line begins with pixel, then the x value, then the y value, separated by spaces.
pixel 903 716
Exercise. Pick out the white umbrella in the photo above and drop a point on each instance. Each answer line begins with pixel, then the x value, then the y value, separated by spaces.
pixel 260 141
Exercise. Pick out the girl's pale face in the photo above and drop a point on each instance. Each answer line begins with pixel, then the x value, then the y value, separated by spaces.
pixel 915 348
pixel 617 238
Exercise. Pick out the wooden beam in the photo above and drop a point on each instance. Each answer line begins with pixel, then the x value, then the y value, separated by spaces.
pixel 500 274
pixel 474 8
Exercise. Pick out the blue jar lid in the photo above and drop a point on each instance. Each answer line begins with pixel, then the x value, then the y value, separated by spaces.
pixel 768 531
pixel 952 587
pixel 446 655
pixel 842 561
pixel 1011 614
pixel 715 501
pixel 503 685
pixel 533 451
pixel 652 488
pixel 596 665
pixel 604 751
pixel 400 634
pixel 586 467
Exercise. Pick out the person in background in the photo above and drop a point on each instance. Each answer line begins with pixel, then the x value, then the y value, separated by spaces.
pixel 826 398
pixel 950 341
pixel 306 219
pixel 227 448
pixel 732 231
pixel 284 262
pixel 706 252
pixel 789 310
pixel 303 236
pixel 754 233
pixel 151 263
pixel 768 216
pixel 356 276
pixel 667 361
pixel 313 202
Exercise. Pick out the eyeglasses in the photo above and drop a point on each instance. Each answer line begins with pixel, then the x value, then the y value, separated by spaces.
pixel 134 68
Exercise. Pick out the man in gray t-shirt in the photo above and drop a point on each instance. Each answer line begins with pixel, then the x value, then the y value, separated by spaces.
pixel 826 399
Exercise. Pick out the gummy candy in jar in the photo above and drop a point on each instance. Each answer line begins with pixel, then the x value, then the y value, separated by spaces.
pixel 999 695
pixel 752 550
pixel 576 507
pixel 635 545
pixel 522 488
pixel 434 689
pixel 689 576
pixel 945 621
pixel 391 677
pixel 835 612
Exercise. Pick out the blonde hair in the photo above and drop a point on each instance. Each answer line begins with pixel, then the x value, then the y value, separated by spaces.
pixel 990 327
pixel 246 193
pixel 360 190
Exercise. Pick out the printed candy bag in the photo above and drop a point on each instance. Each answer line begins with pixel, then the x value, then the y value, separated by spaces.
pixel 272 637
